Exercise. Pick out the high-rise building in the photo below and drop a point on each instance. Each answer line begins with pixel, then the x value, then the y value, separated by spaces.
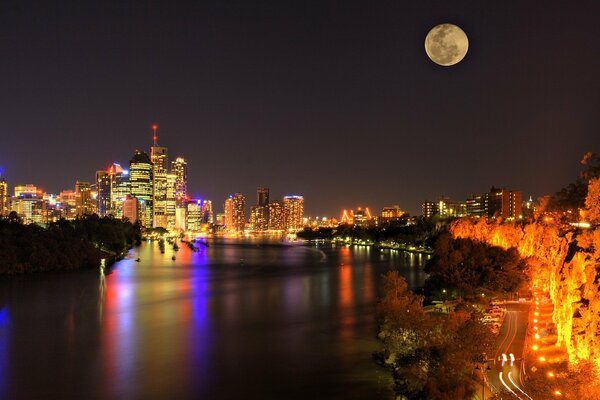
pixel 207 212
pixel 235 216
pixel 276 216
pixel 67 204
pixel 179 168
pixel 103 190
pixel 131 209
pixel 27 189
pixel 503 203
pixel 84 201
pixel 3 197
pixel 160 161
pixel 444 207
pixel 259 221
pixel 476 205
pixel 262 196
pixel 194 212
pixel 140 178
pixel 170 201
pixel 293 209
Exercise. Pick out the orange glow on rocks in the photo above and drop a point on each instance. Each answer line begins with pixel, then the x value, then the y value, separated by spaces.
pixel 563 262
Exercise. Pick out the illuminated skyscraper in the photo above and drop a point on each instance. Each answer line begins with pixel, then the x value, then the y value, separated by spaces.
pixel 140 178
pixel 293 209
pixel 84 202
pixel 131 209
pixel 207 212
pixel 258 218
pixel 179 168
pixel 194 211
pixel 160 161
pixel 170 201
pixel 3 197
pixel 103 188
pixel 235 217
pixel 113 186
pixel 276 216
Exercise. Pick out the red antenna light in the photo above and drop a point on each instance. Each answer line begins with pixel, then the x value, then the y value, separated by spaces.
pixel 155 128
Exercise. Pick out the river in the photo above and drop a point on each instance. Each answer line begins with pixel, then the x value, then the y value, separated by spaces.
pixel 231 321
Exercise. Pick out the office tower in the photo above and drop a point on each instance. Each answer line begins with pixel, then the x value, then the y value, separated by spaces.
pixel 444 207
pixel 194 212
pixel 503 203
pixel 475 205
pixel 140 179
pixel 179 168
pixel 276 216
pixel 391 213
pixel 293 210
pixel 84 201
pixel 27 189
pixel 131 209
pixel 207 212
pixel 258 218
pixel 228 211
pixel 170 201
pixel 3 197
pixel 160 161
pixel 262 196
pixel 66 203
pixel 235 218
pixel 103 190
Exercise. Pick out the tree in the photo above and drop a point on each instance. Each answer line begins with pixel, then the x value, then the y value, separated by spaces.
pixel 592 202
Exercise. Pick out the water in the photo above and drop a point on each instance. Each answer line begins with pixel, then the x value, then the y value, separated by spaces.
pixel 231 321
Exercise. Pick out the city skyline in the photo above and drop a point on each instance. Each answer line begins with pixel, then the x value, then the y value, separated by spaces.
pixel 335 101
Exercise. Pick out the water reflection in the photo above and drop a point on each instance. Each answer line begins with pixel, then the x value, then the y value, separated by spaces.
pixel 275 321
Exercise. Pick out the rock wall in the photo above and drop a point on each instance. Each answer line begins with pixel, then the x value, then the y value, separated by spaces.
pixel 564 262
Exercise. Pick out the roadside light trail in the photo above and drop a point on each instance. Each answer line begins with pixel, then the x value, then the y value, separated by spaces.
pixel 507 377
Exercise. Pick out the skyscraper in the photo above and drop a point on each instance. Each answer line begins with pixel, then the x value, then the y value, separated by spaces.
pixel 103 188
pixel 84 203
pixel 160 161
pixel 293 209
pixel 131 209
pixel 140 178
pixel 276 216
pixel 3 197
pixel 235 217
pixel 179 168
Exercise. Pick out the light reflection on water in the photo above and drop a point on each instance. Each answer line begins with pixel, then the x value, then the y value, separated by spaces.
pixel 246 320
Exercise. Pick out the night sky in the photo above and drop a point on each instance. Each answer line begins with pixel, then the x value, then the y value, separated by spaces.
pixel 335 100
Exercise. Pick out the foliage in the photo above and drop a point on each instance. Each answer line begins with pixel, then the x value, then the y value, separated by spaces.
pixel 575 382
pixel 467 268
pixel 432 355
pixel 572 197
pixel 592 202
pixel 64 245
pixel 318 234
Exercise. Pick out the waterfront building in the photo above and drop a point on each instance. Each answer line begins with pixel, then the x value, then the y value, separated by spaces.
pixel 259 221
pixel 113 186
pixel 444 207
pixel 276 216
pixel 391 213
pixel 170 201
pixel 235 213
pixel 194 212
pixel 360 217
pixel 131 209
pixel 207 212
pixel 293 209
pixel 141 178
pixel 180 169
pixel 4 197
pixel 160 161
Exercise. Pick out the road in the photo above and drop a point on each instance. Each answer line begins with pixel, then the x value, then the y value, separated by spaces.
pixel 506 380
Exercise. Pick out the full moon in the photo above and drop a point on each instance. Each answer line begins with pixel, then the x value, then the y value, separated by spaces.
pixel 446 44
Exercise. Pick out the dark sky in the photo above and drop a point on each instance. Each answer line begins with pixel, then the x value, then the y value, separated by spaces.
pixel 335 100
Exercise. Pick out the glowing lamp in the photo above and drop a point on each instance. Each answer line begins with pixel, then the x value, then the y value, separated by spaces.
pixel 550 374
pixel 557 393
pixel 537 336
pixel 535 347
pixel 542 359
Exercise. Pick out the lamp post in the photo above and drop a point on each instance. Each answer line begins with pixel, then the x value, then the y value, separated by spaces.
pixel 484 368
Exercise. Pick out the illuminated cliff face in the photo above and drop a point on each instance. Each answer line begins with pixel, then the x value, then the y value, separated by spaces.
pixel 565 265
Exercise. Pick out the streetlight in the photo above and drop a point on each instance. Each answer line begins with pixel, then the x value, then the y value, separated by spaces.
pixel 483 371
